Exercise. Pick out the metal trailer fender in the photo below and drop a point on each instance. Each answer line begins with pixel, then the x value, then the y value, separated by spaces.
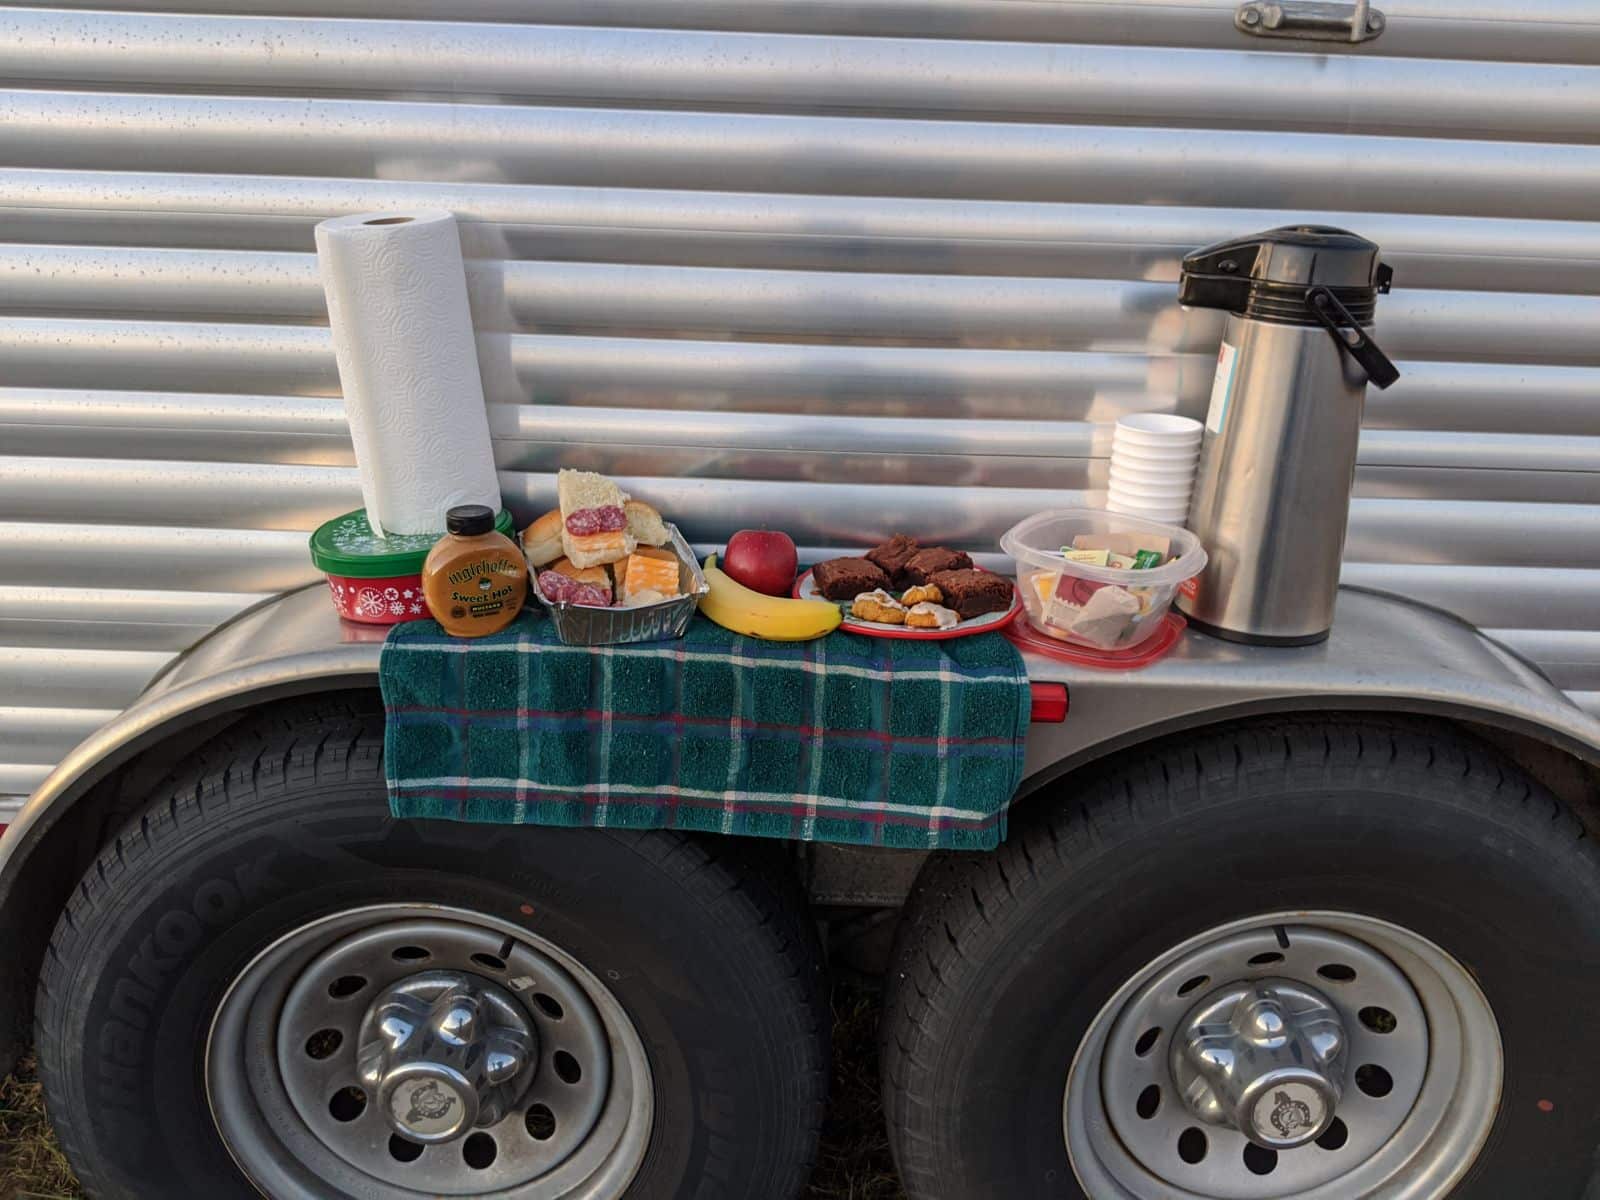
pixel 1385 654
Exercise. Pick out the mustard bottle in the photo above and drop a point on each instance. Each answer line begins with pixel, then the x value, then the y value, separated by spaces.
pixel 474 578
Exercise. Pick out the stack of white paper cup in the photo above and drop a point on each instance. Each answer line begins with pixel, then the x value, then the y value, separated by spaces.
pixel 1153 461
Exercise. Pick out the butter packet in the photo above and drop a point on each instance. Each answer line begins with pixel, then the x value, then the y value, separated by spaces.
pixel 1146 559
pixel 1092 558
pixel 1122 562
pixel 1122 543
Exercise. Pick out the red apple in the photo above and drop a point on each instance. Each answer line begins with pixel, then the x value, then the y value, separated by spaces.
pixel 761 559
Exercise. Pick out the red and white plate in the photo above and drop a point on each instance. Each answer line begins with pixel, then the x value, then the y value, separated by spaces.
pixel 806 589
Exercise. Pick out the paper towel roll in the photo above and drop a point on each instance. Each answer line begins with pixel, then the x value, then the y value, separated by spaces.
pixel 408 365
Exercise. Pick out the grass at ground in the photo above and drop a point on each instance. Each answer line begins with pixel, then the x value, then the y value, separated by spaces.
pixel 31 1164
pixel 853 1161
pixel 852 1164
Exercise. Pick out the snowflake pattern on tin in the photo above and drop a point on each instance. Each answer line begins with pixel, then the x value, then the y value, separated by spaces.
pixel 370 603
pixel 352 535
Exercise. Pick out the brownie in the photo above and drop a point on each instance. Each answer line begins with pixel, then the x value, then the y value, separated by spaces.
pixel 847 578
pixel 893 555
pixel 973 593
pixel 926 563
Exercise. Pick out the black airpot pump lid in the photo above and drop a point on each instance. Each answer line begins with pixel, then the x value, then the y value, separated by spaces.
pixel 1285 262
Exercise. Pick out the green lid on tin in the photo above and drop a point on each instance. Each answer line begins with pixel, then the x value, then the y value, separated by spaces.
pixel 347 546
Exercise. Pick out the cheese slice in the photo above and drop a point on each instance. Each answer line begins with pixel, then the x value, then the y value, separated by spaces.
pixel 597 549
pixel 648 572
pixel 1044 583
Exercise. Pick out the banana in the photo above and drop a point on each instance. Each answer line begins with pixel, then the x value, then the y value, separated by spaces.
pixel 736 607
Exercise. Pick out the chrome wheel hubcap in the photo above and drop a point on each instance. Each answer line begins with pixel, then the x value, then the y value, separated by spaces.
pixel 1266 1058
pixel 410 1051
pixel 445 1051
pixel 1319 1056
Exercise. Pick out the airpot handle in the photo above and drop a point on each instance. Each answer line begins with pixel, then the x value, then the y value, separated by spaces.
pixel 1347 331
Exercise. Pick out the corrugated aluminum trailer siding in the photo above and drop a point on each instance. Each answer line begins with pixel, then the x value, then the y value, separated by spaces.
pixel 842 266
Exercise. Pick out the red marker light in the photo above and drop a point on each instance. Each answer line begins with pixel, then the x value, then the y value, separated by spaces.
pixel 1049 703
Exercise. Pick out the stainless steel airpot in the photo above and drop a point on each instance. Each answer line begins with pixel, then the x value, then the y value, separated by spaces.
pixel 1278 459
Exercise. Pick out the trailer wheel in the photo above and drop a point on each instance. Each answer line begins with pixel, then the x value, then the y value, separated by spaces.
pixel 265 985
pixel 1327 961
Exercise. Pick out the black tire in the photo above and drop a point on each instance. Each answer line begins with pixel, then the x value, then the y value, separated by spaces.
pixel 1005 960
pixel 711 957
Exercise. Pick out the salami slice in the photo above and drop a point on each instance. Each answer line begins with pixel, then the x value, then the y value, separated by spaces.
pixel 555 586
pixel 608 518
pixel 563 589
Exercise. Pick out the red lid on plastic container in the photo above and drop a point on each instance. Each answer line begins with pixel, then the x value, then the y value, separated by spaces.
pixel 1026 637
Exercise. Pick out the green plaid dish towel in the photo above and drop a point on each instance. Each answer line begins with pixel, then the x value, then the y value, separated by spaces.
pixel 869 741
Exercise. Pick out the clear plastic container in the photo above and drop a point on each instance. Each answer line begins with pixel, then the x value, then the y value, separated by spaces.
pixel 1061 598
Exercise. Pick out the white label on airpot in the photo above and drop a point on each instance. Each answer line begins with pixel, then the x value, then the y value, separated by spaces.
pixel 1221 389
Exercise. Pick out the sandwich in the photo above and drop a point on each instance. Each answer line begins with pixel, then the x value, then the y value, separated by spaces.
pixel 565 581
pixel 594 521
pixel 541 541
pixel 645 524
pixel 594 575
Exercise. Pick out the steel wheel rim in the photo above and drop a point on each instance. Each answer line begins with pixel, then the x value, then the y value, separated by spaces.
pixel 274 1087
pixel 1450 1099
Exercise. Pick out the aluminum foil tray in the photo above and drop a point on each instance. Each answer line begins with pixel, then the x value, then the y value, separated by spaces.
pixel 578 625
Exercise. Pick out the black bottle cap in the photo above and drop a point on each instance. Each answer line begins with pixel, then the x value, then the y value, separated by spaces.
pixel 469 519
